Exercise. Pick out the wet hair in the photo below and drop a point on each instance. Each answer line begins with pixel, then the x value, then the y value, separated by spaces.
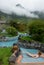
pixel 15 44
pixel 15 47
pixel 39 53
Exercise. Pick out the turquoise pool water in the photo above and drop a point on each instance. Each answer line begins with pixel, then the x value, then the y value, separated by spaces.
pixel 30 59
pixel 8 43
pixel 25 57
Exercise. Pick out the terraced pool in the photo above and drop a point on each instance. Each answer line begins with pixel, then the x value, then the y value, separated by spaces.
pixel 30 59
pixel 25 57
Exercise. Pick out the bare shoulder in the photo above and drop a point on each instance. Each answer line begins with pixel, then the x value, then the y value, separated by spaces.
pixel 42 55
pixel 20 56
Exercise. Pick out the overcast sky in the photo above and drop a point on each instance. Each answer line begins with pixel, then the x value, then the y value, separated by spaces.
pixel 31 5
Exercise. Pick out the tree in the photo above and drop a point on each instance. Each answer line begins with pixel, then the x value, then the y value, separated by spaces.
pixel 19 25
pixel 11 31
pixel 13 23
pixel 36 30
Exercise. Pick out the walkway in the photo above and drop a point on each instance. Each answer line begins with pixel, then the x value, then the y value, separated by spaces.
pixel 39 63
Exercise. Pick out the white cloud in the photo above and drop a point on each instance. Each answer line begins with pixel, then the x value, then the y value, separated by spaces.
pixel 31 5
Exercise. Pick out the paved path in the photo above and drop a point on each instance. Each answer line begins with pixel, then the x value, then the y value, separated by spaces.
pixel 37 63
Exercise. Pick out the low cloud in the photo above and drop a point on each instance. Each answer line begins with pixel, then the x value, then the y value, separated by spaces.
pixel 21 7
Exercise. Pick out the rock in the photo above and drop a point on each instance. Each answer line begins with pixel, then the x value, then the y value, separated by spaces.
pixel 12 59
pixel 42 47
pixel 33 44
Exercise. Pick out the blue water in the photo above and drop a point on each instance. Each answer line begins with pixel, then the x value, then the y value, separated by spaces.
pixel 9 43
pixel 30 59
pixel 25 57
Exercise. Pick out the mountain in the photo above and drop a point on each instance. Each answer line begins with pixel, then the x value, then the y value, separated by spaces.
pixel 14 15
pixel 40 14
pixel 19 5
pixel 18 11
pixel 11 16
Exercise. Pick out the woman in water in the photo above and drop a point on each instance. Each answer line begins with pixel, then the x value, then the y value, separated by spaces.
pixel 39 54
pixel 16 56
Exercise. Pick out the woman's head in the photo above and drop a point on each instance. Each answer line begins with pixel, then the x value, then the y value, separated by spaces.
pixel 39 53
pixel 15 48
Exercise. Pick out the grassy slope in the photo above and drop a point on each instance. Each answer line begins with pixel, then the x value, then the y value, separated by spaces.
pixel 27 38
pixel 4 55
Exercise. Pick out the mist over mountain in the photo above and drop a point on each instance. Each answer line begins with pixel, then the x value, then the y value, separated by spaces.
pixel 19 10
pixel 22 7
pixel 40 14
pixel 14 15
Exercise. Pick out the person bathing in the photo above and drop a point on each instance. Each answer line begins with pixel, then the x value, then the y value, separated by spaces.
pixel 16 56
pixel 39 54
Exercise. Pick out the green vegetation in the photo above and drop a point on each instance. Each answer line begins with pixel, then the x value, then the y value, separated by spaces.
pixel 36 30
pixel 4 55
pixel 35 27
pixel 19 24
pixel 0 30
pixel 26 38
pixel 11 31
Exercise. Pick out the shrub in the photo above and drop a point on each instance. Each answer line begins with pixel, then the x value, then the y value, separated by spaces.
pixel 36 30
pixel 20 26
pixel 26 38
pixel 11 31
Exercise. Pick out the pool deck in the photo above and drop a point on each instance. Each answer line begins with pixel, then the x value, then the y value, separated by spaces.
pixel 37 63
